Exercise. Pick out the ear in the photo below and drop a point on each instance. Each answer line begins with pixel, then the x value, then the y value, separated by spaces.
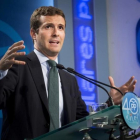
pixel 33 34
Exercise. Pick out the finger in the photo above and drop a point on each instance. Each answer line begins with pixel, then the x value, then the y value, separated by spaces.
pixel 13 55
pixel 17 62
pixel 11 62
pixel 132 86
pixel 16 44
pixel 111 80
pixel 15 49
pixel 129 81
pixel 20 62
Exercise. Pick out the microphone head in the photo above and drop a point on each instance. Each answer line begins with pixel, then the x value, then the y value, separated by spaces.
pixel 70 69
pixel 60 66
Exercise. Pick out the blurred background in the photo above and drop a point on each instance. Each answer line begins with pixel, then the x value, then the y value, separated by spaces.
pixel 102 39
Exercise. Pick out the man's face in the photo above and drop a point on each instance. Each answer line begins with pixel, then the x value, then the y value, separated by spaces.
pixel 50 36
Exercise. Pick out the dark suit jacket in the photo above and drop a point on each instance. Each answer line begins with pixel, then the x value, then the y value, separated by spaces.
pixel 24 101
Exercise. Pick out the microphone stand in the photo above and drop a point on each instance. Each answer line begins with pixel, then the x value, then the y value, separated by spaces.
pixel 73 71
pixel 87 79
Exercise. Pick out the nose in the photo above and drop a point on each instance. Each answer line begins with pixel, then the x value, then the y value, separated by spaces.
pixel 55 32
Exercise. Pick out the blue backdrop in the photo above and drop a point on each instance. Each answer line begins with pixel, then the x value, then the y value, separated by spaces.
pixel 15 23
pixel 84 47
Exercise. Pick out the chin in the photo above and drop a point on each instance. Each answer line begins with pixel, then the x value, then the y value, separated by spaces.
pixel 54 53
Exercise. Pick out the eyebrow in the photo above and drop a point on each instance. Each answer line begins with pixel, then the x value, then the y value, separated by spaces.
pixel 62 25
pixel 49 23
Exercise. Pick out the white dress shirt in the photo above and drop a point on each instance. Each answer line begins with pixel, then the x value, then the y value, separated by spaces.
pixel 3 73
pixel 45 69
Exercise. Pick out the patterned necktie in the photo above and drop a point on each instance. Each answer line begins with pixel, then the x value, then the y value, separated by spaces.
pixel 53 95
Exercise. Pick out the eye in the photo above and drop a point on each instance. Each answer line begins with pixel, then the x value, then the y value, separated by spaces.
pixel 61 27
pixel 48 26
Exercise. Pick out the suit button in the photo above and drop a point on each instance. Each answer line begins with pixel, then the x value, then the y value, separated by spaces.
pixel 47 125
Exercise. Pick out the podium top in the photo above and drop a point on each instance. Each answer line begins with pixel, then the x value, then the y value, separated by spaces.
pixel 71 131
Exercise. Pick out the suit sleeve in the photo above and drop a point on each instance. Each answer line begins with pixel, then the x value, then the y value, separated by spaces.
pixel 7 86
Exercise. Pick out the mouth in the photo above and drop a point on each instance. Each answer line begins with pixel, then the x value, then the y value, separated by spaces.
pixel 55 42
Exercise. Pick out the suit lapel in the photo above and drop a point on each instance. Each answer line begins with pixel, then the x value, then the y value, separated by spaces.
pixel 37 75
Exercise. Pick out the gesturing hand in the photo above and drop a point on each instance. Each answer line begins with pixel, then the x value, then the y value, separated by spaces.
pixel 129 86
pixel 9 58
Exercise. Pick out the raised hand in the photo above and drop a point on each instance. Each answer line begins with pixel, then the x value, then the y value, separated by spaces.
pixel 129 86
pixel 9 58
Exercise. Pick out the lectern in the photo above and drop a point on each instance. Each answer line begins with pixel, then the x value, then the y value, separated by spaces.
pixel 112 123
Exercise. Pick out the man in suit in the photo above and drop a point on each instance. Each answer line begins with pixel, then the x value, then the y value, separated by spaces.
pixel 24 81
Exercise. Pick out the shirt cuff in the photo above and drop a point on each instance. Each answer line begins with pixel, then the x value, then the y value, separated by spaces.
pixel 3 73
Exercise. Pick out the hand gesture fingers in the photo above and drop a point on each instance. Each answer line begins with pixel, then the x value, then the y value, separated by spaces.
pixel 15 54
pixel 129 86
pixel 11 62
pixel 132 87
pixel 129 81
pixel 116 96
pixel 9 58
pixel 15 47
pixel 16 44
pixel 111 81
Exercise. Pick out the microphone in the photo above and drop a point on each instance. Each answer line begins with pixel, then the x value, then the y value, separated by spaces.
pixel 73 71
pixel 85 78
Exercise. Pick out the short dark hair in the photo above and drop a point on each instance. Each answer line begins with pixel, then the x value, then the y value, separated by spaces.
pixel 44 11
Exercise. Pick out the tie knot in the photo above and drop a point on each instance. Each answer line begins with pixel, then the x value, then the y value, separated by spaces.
pixel 52 63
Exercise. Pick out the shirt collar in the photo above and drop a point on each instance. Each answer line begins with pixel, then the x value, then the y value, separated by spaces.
pixel 42 58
